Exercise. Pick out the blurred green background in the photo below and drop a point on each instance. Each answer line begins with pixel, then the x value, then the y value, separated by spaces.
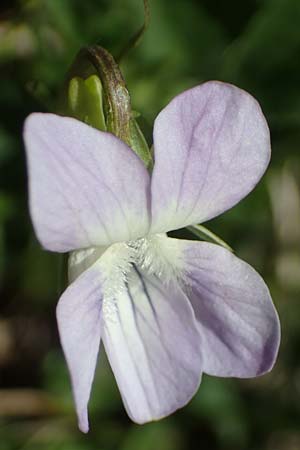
pixel 253 44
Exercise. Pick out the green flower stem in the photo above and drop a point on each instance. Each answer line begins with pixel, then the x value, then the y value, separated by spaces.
pixel 136 38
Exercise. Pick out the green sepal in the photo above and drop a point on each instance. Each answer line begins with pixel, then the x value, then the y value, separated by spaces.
pixel 139 145
pixel 135 114
pixel 204 234
pixel 85 101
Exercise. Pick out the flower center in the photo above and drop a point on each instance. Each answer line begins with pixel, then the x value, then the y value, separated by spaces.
pixel 124 264
pixel 155 255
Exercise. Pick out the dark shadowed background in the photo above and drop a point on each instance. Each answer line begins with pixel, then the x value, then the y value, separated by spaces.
pixel 253 44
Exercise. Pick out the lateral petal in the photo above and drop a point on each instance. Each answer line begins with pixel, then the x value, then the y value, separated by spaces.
pixel 87 188
pixel 79 316
pixel 238 323
pixel 211 145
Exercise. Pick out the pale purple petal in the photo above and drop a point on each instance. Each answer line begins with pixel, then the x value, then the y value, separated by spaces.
pixel 79 316
pixel 238 323
pixel 87 188
pixel 153 346
pixel 212 146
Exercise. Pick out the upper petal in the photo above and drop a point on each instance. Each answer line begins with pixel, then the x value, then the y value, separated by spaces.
pixel 79 315
pixel 212 146
pixel 87 188
pixel 238 323
pixel 153 346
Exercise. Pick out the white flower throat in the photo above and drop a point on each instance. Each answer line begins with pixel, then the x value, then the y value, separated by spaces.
pixel 117 264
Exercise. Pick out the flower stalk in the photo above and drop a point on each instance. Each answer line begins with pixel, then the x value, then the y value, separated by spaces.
pixel 136 38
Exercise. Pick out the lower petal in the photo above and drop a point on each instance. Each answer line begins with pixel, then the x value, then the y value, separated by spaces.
pixel 79 315
pixel 238 323
pixel 153 346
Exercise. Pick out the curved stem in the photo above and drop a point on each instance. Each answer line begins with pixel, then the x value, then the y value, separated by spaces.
pixel 136 38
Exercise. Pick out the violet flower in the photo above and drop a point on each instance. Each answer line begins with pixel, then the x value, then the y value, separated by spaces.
pixel 166 310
